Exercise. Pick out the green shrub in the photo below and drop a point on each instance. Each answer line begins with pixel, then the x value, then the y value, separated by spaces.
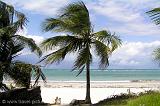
pixel 116 100
pixel 148 99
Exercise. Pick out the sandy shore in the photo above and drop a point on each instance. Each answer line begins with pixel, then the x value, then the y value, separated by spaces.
pixel 100 90
pixel 102 84
pixel 97 94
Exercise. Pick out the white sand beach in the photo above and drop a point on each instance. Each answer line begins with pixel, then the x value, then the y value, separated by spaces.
pixel 68 91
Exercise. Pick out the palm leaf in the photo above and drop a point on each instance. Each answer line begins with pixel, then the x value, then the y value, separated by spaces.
pixel 21 72
pixel 115 42
pixel 84 56
pixel 61 42
pixel 102 35
pixel 16 49
pixel 74 18
pixel 38 73
pixel 103 51
pixel 155 15
pixel 80 70
pixel 30 43
pixel 108 38
pixel 22 20
pixel 58 55
pixel 156 54
pixel 7 16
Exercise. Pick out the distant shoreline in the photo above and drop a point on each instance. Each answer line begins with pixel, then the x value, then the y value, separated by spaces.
pixel 99 84
pixel 102 84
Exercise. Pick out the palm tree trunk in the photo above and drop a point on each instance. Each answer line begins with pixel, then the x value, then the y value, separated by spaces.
pixel 88 98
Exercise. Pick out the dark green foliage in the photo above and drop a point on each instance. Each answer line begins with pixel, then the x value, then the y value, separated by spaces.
pixel 148 98
pixel 11 44
pixel 21 74
pixel 21 97
pixel 116 100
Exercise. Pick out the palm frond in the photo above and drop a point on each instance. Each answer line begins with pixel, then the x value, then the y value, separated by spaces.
pixel 61 41
pixel 108 38
pixel 59 55
pixel 102 35
pixel 80 70
pixel 83 58
pixel 156 54
pixel 30 43
pixel 51 43
pixel 22 20
pixel 103 51
pixel 74 18
pixel 21 73
pixel 9 30
pixel 52 24
pixel 38 73
pixel 7 16
pixel 16 49
pixel 115 42
pixel 155 15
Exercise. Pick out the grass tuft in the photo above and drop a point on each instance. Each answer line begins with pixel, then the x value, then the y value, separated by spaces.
pixel 148 98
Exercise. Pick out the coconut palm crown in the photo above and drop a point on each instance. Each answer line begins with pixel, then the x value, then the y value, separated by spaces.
pixel 74 20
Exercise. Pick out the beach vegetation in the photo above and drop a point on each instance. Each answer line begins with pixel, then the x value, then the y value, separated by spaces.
pixel 11 44
pixel 148 98
pixel 74 21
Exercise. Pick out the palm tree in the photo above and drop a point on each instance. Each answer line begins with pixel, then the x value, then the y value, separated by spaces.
pixel 75 21
pixel 11 44
pixel 155 16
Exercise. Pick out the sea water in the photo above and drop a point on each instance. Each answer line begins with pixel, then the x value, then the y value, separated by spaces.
pixel 103 75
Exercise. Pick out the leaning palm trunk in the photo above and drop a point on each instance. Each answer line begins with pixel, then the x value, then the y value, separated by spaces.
pixel 88 98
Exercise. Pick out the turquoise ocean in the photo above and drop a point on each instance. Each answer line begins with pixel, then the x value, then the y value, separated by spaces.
pixel 103 75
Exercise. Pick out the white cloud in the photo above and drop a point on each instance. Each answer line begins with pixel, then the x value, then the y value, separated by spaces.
pixel 36 38
pixel 127 17
pixel 129 55
pixel 134 54
pixel 46 7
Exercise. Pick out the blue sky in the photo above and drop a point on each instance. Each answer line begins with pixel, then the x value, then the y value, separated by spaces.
pixel 127 18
